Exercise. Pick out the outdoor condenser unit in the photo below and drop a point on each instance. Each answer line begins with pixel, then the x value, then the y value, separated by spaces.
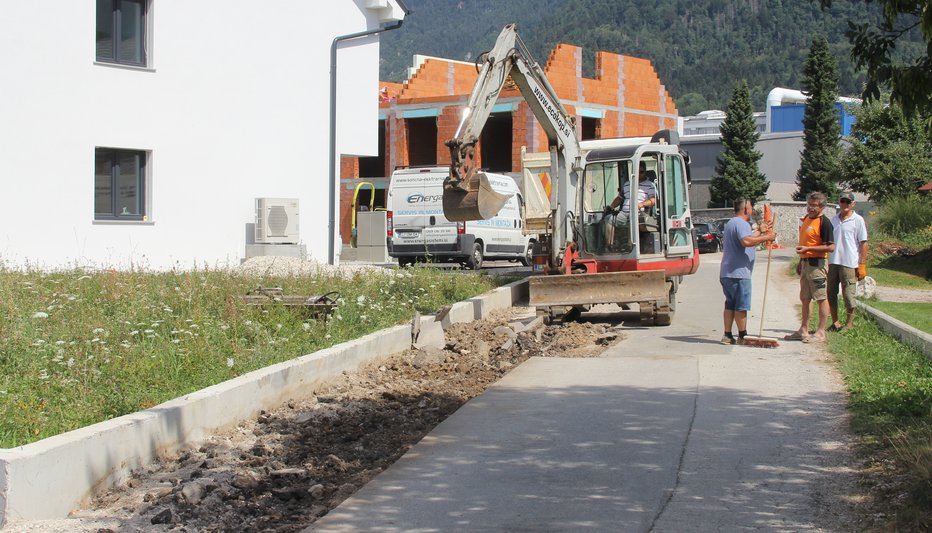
pixel 276 220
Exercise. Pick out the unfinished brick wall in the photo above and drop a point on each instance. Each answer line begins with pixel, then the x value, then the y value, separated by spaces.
pixel 626 92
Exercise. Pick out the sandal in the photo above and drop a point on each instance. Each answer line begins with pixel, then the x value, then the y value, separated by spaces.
pixel 834 327
pixel 795 336
pixel 812 339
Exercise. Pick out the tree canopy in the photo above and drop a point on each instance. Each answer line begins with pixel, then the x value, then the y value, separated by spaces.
pixel 818 167
pixel 699 47
pixel 736 172
pixel 891 53
pixel 890 153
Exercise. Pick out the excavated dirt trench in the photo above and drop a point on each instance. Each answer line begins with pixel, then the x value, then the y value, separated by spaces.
pixel 283 470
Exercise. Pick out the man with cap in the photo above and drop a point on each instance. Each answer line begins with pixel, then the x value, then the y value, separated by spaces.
pixel 847 262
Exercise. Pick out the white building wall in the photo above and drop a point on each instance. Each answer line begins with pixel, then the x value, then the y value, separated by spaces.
pixel 233 106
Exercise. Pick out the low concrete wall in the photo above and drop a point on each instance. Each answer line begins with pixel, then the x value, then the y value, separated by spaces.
pixel 49 478
pixel 899 329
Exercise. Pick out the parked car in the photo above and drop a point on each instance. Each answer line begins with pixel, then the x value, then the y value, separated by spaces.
pixel 718 228
pixel 706 238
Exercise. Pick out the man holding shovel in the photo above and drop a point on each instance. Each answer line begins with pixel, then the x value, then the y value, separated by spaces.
pixel 738 246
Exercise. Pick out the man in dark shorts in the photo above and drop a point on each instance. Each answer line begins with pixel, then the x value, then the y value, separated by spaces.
pixel 738 243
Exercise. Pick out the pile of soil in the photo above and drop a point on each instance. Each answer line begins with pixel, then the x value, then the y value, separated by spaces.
pixel 283 470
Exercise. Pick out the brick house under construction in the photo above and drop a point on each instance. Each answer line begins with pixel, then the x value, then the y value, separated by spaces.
pixel 625 99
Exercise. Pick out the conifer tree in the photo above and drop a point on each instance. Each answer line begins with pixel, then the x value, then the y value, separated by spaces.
pixel 818 168
pixel 736 172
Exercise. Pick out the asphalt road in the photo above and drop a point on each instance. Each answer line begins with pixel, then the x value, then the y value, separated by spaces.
pixel 668 431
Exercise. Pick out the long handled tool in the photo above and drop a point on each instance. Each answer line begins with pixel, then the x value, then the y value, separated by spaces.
pixel 760 341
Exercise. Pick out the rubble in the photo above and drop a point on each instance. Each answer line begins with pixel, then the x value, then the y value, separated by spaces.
pixel 286 468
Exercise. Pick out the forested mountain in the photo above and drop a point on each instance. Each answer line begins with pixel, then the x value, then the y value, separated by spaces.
pixel 700 48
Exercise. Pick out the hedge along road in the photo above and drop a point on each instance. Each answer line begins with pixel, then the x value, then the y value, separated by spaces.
pixel 668 431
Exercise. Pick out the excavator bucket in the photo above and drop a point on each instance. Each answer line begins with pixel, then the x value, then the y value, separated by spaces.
pixel 476 201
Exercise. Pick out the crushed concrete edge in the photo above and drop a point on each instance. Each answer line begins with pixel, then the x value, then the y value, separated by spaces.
pixel 903 331
pixel 50 478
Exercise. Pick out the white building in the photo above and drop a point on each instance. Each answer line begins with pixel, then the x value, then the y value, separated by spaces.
pixel 140 132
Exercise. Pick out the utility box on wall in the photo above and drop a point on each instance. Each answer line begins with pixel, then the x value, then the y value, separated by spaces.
pixel 276 220
pixel 371 243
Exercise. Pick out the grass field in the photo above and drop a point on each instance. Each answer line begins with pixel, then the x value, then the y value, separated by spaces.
pixel 910 271
pixel 890 387
pixel 917 315
pixel 77 348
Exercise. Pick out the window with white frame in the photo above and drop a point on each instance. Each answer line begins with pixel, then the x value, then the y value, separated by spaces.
pixel 119 184
pixel 121 32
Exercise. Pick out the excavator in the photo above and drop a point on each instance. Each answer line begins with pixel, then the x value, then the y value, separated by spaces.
pixel 587 251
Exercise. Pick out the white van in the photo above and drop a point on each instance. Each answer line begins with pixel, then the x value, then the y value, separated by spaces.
pixel 418 231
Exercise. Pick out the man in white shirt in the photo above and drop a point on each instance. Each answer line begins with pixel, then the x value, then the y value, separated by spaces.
pixel 847 264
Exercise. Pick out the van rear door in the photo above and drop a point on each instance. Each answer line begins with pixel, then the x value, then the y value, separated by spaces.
pixel 416 201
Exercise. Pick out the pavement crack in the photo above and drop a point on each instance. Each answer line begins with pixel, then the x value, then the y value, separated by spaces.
pixel 679 467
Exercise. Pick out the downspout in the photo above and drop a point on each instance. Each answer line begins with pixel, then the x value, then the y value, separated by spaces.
pixel 332 233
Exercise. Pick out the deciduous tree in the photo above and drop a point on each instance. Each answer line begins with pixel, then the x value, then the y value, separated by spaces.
pixel 890 153
pixel 908 75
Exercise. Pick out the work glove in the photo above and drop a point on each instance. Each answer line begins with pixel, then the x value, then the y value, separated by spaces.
pixel 862 271
pixel 608 210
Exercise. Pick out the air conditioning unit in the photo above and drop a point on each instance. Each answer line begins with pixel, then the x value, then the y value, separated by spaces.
pixel 276 220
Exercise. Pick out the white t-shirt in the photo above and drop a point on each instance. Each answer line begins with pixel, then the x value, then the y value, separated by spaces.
pixel 646 189
pixel 849 234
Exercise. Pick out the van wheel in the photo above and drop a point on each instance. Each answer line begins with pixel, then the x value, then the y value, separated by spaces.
pixel 528 257
pixel 405 262
pixel 474 262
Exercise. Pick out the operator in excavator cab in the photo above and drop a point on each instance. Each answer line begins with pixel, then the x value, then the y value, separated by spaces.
pixel 647 194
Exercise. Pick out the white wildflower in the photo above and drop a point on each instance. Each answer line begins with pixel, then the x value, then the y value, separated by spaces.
pixel 40 314
pixel 247 322
pixel 70 362
pixel 98 330
pixel 39 342
pixel 95 339
pixel 361 300
pixel 134 332
pixel 229 362
pixel 43 374
pixel 306 326
pixel 149 331
pixel 327 336
pixel 362 317
pixel 278 326
pixel 224 327
pixel 59 343
pixel 175 341
pixel 193 326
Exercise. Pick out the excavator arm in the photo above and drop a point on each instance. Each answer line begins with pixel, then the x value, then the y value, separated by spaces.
pixel 467 193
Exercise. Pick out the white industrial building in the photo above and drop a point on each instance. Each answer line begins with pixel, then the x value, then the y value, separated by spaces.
pixel 141 132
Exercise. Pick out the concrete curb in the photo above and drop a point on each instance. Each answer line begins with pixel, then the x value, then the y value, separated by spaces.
pixel 49 478
pixel 903 331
